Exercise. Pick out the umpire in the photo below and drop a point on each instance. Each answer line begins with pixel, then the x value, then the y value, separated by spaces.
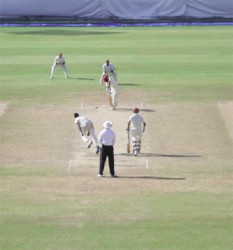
pixel 107 139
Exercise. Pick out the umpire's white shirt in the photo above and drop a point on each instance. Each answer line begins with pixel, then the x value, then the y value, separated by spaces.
pixel 107 137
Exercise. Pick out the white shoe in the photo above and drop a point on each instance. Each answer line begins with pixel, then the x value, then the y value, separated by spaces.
pixel 99 175
pixel 50 77
pixel 135 153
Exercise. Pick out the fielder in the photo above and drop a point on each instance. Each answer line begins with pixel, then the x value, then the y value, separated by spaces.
pixel 59 62
pixel 138 127
pixel 86 129
pixel 109 78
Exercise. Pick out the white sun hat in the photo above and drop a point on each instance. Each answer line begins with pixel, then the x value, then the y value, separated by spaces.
pixel 107 124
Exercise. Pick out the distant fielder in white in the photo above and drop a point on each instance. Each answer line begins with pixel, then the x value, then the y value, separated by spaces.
pixel 59 62
pixel 138 125
pixel 86 129
pixel 109 78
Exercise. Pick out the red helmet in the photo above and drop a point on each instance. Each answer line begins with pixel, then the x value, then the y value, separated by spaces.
pixel 136 110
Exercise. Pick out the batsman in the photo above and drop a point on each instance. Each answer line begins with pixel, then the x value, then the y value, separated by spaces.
pixel 138 125
pixel 109 78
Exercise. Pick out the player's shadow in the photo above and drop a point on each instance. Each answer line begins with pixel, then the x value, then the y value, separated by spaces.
pixel 163 155
pixel 169 155
pixel 152 177
pixel 84 79
pixel 129 84
pixel 141 109
pixel 73 78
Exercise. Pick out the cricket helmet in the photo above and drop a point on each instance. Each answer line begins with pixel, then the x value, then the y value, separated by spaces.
pixel 135 110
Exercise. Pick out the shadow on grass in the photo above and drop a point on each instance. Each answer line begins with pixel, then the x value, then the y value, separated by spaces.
pixel 147 177
pixel 169 155
pixel 84 79
pixel 141 109
pixel 61 32
pixel 73 78
pixel 162 155
pixel 129 84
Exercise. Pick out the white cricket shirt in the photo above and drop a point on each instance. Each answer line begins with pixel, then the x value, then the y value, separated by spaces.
pixel 136 120
pixel 107 137
pixel 59 60
pixel 108 68
pixel 83 121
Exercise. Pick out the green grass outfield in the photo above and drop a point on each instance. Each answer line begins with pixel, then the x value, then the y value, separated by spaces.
pixel 41 207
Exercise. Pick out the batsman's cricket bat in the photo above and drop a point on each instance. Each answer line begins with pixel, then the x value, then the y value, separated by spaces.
pixel 110 100
pixel 128 143
pixel 108 91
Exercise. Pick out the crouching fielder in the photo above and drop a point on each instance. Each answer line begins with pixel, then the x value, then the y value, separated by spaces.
pixel 86 129
pixel 138 125
pixel 59 62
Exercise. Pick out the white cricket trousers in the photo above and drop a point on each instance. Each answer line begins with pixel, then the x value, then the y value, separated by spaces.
pixel 114 95
pixel 136 134
pixel 54 67
pixel 114 89
pixel 89 127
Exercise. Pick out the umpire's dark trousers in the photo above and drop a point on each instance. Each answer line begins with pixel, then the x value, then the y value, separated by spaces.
pixel 107 151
